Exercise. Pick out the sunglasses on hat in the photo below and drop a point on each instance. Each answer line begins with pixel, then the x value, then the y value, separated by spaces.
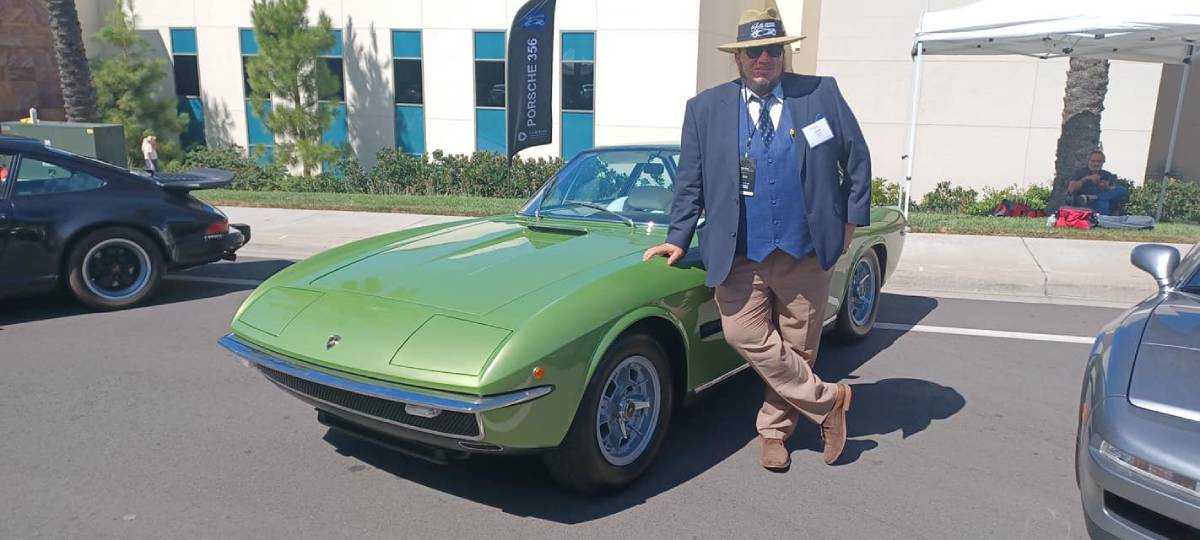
pixel 774 51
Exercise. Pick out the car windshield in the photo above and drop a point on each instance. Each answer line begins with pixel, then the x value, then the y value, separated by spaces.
pixel 616 185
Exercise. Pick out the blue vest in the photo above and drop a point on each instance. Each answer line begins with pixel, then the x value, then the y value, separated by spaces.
pixel 775 217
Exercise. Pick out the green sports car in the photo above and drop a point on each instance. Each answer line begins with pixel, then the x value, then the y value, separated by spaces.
pixel 540 331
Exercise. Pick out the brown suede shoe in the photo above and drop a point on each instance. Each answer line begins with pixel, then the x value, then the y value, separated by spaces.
pixel 774 455
pixel 834 427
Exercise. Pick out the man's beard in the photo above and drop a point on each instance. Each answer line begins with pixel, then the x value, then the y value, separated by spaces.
pixel 755 86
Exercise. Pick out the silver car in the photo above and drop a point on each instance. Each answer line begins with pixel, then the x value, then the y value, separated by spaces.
pixel 1137 458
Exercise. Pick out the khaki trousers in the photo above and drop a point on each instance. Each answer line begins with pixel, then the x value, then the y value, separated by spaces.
pixel 772 313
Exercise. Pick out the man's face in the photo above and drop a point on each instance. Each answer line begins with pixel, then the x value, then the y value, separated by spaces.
pixel 764 70
pixel 1095 162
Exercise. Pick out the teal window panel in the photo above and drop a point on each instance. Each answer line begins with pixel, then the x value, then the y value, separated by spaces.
pixel 262 154
pixel 410 128
pixel 336 133
pixel 489 45
pixel 579 46
pixel 489 131
pixel 256 130
pixel 337 44
pixel 406 44
pixel 183 41
pixel 249 43
pixel 578 133
pixel 193 133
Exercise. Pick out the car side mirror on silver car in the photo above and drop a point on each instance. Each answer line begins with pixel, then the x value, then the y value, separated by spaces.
pixel 1157 260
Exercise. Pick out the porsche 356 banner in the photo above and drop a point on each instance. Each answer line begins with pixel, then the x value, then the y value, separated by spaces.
pixel 530 76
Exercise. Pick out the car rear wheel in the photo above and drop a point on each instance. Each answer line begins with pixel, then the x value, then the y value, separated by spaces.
pixel 622 420
pixel 861 304
pixel 113 268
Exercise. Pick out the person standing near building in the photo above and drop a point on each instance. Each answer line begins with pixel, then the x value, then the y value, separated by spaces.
pixel 150 153
pixel 777 164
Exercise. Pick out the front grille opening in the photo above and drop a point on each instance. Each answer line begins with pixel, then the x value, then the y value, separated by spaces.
pixel 457 424
pixel 1148 519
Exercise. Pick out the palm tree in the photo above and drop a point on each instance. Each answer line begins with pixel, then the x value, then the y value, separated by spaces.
pixel 79 96
pixel 1087 83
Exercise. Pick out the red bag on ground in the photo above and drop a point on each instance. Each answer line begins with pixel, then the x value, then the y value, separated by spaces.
pixel 1079 218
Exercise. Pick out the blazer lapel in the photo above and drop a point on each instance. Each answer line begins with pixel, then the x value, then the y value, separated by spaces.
pixel 726 121
pixel 798 105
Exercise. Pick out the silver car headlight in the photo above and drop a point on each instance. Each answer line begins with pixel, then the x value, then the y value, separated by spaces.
pixel 1156 474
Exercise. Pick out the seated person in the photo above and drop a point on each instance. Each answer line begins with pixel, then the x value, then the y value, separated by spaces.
pixel 1095 188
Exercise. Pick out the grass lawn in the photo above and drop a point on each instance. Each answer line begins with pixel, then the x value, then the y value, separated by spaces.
pixel 1176 233
pixel 486 206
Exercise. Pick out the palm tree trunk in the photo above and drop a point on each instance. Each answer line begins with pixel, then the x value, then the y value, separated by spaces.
pixel 79 97
pixel 1087 83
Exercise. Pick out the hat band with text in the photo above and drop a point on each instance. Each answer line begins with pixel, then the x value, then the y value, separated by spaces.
pixel 761 29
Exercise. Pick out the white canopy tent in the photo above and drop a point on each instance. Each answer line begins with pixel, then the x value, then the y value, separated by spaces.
pixel 1159 31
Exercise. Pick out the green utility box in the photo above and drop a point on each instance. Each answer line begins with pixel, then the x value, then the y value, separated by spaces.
pixel 105 142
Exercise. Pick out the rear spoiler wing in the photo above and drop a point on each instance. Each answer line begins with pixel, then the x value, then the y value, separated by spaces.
pixel 198 178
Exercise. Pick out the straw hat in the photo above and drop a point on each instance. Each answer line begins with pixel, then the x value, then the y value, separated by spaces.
pixel 759 27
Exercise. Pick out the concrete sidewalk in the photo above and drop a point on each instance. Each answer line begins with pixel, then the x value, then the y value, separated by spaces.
pixel 1091 272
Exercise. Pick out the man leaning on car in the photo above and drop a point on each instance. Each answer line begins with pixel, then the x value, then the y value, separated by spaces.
pixel 779 211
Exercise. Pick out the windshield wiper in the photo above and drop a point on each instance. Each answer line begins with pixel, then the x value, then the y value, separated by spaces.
pixel 601 208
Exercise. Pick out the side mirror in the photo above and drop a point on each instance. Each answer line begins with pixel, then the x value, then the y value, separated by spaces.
pixel 1157 260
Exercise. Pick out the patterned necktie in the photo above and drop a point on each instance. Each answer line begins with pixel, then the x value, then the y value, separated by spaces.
pixel 764 119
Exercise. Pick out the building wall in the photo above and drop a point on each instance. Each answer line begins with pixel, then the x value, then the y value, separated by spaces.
pixel 637 59
pixel 28 68
pixel 983 121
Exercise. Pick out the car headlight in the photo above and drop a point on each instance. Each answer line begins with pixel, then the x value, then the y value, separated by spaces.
pixel 1157 474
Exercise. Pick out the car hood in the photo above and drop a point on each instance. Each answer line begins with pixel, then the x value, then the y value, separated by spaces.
pixel 1168 361
pixel 475 268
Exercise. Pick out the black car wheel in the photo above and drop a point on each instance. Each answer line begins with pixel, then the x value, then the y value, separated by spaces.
pixel 622 421
pixel 113 268
pixel 861 301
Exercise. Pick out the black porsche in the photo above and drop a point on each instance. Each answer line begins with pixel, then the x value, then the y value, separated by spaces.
pixel 105 233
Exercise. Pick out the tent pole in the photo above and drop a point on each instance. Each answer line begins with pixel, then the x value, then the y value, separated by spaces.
pixel 912 126
pixel 1162 190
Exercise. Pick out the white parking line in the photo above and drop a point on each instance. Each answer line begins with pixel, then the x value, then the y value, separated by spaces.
pixel 206 279
pixel 1059 338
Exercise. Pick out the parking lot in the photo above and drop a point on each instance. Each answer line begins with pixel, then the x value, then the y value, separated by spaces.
pixel 135 424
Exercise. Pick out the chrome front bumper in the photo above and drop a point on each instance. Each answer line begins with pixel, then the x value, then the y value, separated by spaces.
pixel 316 385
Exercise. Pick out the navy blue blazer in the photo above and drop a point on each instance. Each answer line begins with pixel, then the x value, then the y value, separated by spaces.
pixel 837 173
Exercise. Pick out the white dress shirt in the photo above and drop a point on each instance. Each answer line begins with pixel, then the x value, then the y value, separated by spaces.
pixel 755 106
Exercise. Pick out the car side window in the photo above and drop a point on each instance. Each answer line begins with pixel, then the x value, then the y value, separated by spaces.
pixel 6 161
pixel 37 177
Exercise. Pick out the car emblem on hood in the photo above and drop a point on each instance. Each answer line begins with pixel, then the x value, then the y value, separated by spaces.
pixel 332 341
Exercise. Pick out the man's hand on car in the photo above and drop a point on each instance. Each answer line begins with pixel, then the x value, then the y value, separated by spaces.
pixel 671 251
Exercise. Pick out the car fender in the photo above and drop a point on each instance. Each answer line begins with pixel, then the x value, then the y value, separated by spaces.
pixel 627 321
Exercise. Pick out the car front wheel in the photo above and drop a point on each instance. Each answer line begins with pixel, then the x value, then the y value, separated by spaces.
pixel 113 268
pixel 861 302
pixel 622 420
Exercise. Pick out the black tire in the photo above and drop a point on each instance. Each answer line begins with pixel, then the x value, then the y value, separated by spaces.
pixel 854 325
pixel 137 268
pixel 579 463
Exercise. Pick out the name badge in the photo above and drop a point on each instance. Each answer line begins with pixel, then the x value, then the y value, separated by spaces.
pixel 746 174
pixel 818 132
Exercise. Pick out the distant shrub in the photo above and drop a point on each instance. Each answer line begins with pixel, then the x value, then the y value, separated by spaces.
pixel 1182 204
pixel 884 194
pixel 945 199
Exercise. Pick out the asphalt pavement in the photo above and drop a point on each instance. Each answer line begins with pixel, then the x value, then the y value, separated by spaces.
pixel 135 424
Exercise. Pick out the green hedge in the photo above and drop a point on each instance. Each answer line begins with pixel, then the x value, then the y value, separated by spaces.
pixel 1182 203
pixel 483 174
